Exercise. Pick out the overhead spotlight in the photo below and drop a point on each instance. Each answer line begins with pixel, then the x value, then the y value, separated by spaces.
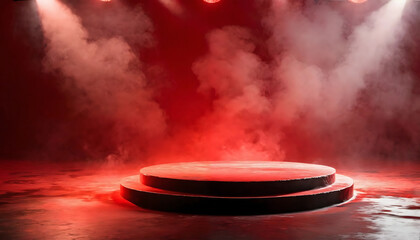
pixel 211 1
pixel 357 1
pixel 352 1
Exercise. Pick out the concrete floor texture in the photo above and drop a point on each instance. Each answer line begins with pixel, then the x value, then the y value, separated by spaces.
pixel 82 202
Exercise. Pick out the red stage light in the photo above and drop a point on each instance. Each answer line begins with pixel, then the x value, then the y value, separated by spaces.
pixel 357 1
pixel 211 1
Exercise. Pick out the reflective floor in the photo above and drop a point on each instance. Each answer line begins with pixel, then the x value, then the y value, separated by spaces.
pixel 82 202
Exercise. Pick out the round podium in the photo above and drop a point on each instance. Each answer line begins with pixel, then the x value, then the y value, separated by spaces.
pixel 237 187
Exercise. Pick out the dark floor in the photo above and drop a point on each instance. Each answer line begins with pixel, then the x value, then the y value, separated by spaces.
pixel 66 202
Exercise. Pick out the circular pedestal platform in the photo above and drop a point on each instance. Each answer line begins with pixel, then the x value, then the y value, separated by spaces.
pixel 236 178
pixel 162 200
pixel 293 187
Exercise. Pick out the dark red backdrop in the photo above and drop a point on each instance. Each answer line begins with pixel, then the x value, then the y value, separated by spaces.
pixel 32 103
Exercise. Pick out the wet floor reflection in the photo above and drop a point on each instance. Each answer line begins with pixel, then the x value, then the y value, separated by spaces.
pixel 57 202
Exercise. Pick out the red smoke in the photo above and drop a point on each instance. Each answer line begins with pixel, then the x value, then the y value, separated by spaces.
pixel 314 84
pixel 104 77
